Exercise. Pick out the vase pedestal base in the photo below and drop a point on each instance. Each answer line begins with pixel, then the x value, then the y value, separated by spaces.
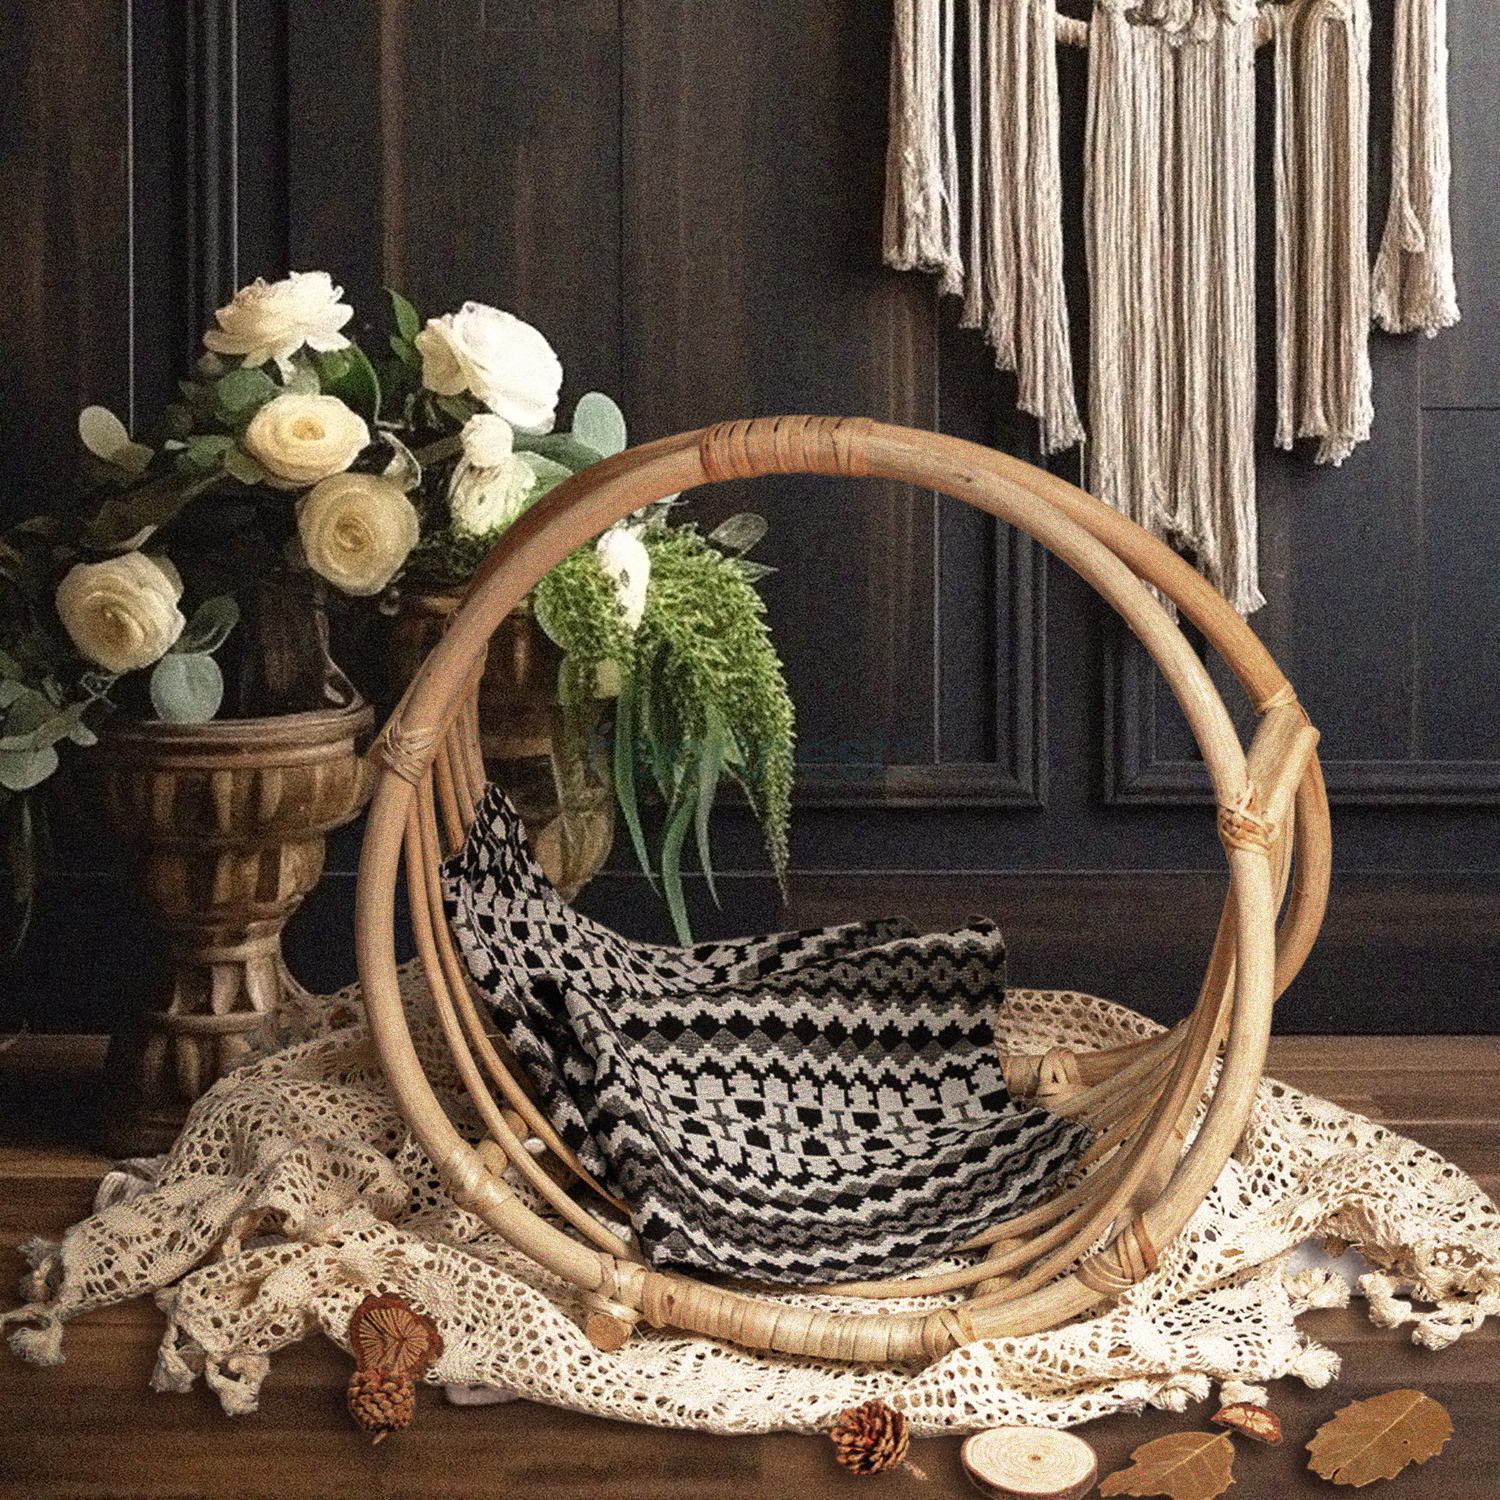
pixel 228 823
pixel 157 1070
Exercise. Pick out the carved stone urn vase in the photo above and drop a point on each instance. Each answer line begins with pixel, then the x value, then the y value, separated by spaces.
pixel 226 823
pixel 557 780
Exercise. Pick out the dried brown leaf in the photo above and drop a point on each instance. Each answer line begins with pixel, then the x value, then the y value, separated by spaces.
pixel 1253 1421
pixel 1376 1439
pixel 1186 1466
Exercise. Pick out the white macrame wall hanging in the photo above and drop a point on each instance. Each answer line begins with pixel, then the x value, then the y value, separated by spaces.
pixel 1169 211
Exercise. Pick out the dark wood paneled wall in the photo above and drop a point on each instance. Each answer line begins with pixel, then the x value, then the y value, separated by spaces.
pixel 686 198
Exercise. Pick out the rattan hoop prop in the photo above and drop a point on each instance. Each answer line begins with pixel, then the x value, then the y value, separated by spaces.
pixel 1090 1241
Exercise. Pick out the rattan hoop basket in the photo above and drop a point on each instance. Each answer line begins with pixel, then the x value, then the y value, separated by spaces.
pixel 1088 1243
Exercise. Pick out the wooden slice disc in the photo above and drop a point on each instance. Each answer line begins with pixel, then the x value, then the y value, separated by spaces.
pixel 1029 1463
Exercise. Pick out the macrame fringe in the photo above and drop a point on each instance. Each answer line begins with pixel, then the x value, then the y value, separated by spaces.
pixel 1413 281
pixel 921 231
pixel 1323 386
pixel 1169 211
pixel 1013 285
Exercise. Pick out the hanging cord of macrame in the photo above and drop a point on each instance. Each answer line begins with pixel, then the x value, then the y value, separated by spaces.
pixel 1323 379
pixel 1413 285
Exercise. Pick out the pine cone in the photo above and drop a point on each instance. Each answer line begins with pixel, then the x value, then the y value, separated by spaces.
pixel 870 1439
pixel 381 1402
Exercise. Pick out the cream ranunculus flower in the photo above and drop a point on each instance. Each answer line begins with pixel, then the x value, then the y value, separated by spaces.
pixel 623 556
pixel 273 320
pixel 484 500
pixel 489 441
pixel 503 362
pixel 121 613
pixel 301 439
pixel 356 531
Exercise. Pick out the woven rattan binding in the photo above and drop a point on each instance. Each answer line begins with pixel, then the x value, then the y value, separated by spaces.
pixel 1137 1186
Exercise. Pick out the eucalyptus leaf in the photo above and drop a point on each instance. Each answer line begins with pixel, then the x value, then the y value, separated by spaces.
pixel 751 572
pixel 403 470
pixel 20 770
pixel 598 423
pixel 548 474
pixel 211 623
pixel 205 453
pixel 239 465
pixel 561 447
pixel 408 319
pixel 739 533
pixel 187 687
pixel 241 392
pixel 303 381
pixel 101 431
pixel 33 722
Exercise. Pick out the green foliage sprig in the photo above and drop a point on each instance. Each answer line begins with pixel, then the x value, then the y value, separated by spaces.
pixel 702 695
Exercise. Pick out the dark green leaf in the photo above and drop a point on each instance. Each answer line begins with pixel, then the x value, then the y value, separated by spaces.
pixel 671 864
pixel 625 794
pixel 710 763
pixel 456 408
pixel 349 375
pixel 408 319
pixel 153 504
pixel 211 623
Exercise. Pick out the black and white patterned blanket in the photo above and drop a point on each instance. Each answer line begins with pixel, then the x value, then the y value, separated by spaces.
pixel 807 1106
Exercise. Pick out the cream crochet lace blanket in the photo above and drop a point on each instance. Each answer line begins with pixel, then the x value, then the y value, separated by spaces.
pixel 295 1190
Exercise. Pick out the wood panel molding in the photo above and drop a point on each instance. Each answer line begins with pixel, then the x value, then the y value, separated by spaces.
pixel 1140 773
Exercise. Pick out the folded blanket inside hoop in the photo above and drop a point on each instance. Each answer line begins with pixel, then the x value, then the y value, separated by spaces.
pixel 800 1107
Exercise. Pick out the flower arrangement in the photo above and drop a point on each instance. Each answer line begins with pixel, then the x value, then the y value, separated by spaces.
pixel 298 471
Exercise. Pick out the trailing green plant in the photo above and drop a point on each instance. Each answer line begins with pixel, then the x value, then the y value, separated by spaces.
pixel 701 693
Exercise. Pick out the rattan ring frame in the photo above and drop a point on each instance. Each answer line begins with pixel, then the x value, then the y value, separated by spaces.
pixel 1098 1236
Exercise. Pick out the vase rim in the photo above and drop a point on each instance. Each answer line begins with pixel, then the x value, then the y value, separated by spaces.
pixel 312 726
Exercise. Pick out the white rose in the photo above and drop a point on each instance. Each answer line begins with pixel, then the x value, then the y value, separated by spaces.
pixel 121 613
pixel 489 441
pixel 356 531
pixel 497 358
pixel 301 439
pixel 273 320
pixel 623 556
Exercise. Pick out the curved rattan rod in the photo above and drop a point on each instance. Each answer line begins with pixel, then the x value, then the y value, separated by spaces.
pixel 1245 655
pixel 422 894
pixel 514 1091
pixel 1138 1159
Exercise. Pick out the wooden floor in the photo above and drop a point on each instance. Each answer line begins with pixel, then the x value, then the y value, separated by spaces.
pixel 92 1427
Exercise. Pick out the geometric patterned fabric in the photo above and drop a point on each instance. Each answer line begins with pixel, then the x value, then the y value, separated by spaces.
pixel 803 1107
